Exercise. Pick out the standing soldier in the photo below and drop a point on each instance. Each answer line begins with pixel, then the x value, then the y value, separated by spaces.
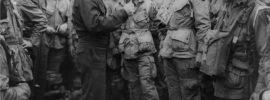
pixel 138 47
pixel 92 26
pixel 179 47
pixel 16 65
pixel 216 9
pixel 243 34
pixel 55 41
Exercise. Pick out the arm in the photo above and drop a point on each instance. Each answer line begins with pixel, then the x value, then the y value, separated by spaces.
pixel 262 29
pixel 202 19
pixel 202 24
pixel 97 22
pixel 31 12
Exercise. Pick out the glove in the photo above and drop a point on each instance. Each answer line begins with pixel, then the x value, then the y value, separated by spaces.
pixel 130 8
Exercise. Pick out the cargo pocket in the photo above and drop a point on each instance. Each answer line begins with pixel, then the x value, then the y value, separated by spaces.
pixel 146 42
pixel 180 40
pixel 235 78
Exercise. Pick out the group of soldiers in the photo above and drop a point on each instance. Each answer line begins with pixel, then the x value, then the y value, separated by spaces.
pixel 134 50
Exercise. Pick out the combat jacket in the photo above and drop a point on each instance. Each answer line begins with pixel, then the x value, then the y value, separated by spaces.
pixel 91 23
pixel 188 21
pixel 136 39
pixel 14 14
pixel 16 69
pixel 33 17
pixel 246 47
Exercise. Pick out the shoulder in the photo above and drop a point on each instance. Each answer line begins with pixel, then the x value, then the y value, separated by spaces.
pixel 261 13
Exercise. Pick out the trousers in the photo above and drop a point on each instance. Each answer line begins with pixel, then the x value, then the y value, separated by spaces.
pixel 183 79
pixel 90 63
pixel 55 58
pixel 140 73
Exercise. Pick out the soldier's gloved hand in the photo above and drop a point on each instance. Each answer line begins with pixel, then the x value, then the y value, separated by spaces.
pixel 50 30
pixel 130 8
pixel 27 44
pixel 62 28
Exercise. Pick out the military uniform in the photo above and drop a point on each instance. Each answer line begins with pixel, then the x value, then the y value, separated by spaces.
pixel 247 39
pixel 16 70
pixel 54 47
pixel 216 9
pixel 92 26
pixel 179 47
pixel 138 47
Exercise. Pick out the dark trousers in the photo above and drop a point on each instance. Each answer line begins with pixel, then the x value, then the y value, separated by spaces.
pixel 55 58
pixel 46 59
pixel 91 65
pixel 183 79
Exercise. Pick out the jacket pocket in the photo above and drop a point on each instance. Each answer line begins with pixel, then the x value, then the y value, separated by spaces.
pixel 235 78
pixel 180 40
pixel 146 42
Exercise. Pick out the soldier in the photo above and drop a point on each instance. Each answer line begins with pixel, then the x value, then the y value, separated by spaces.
pixel 243 34
pixel 56 41
pixel 138 47
pixel 92 26
pixel 16 69
pixel 179 47
pixel 216 9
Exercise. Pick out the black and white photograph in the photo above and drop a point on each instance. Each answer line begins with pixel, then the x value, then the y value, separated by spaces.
pixel 134 49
